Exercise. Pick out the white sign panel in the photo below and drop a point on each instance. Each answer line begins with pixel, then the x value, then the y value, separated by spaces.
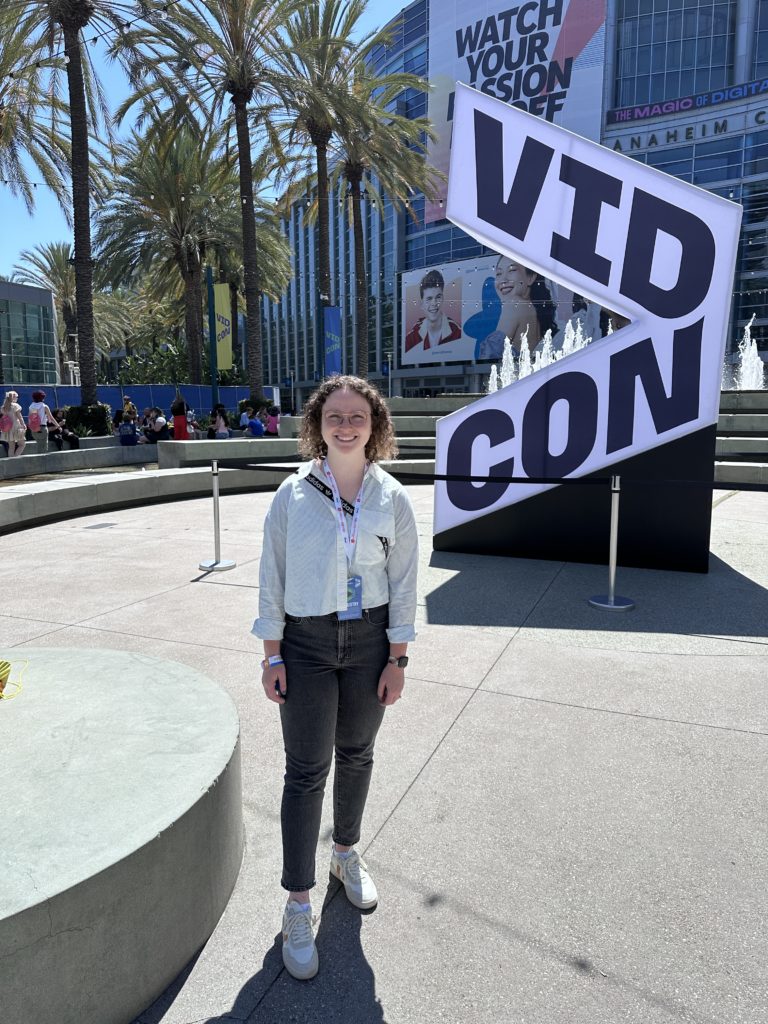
pixel 544 56
pixel 637 241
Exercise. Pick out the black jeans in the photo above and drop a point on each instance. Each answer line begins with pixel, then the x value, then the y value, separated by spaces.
pixel 332 671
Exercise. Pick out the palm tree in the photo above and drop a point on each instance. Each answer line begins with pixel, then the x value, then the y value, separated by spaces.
pixel 375 142
pixel 23 127
pixel 172 199
pixel 218 49
pixel 274 269
pixel 48 25
pixel 317 64
pixel 50 267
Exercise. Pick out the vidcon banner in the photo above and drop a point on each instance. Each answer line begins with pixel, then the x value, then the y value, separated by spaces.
pixel 464 311
pixel 653 248
pixel 544 56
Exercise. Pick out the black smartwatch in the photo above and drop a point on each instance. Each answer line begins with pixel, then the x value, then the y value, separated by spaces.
pixel 401 662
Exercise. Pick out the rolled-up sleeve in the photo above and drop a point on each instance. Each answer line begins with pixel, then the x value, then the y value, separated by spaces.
pixel 402 572
pixel 271 621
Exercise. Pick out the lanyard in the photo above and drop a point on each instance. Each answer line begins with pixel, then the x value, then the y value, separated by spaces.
pixel 349 537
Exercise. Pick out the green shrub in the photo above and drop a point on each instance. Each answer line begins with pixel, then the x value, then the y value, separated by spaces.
pixel 257 401
pixel 89 420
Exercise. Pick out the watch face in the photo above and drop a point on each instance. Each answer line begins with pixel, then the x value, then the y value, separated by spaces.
pixel 402 662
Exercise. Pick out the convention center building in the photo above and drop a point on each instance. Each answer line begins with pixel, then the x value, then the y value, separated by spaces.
pixel 681 85
pixel 28 334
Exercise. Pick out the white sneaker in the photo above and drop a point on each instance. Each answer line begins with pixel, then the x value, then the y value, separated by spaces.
pixel 299 950
pixel 352 872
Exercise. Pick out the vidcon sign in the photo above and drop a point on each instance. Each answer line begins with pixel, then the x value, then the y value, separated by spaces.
pixel 635 240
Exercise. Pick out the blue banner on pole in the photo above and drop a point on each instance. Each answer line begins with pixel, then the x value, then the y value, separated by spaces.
pixel 332 324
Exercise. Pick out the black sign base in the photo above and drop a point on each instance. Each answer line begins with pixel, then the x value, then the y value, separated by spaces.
pixel 661 526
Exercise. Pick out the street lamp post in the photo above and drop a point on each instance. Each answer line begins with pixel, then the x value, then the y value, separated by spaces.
pixel 389 372
pixel 293 386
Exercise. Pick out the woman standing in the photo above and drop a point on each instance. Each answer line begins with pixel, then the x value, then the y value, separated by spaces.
pixel 39 418
pixel 13 429
pixel 337 605
pixel 179 410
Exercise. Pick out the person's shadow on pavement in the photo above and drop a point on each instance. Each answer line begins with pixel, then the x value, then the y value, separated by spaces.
pixel 344 988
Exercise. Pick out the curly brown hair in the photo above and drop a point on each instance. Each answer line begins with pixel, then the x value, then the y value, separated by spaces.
pixel 381 444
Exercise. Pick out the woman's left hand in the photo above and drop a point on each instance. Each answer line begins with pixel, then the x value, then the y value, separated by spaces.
pixel 391 685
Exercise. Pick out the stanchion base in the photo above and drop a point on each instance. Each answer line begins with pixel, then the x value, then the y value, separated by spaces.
pixel 212 566
pixel 620 604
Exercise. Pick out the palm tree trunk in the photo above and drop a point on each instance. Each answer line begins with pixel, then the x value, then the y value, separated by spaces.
pixel 361 282
pixel 82 215
pixel 193 326
pixel 320 139
pixel 70 326
pixel 250 252
pixel 197 280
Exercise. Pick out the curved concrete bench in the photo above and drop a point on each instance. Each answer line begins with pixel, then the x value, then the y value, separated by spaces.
pixel 24 505
pixel 122 831
pixel 70 461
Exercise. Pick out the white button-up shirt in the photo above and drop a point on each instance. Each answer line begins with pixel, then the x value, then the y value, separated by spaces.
pixel 304 566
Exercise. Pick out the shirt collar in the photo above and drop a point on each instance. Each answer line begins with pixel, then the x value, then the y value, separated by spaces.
pixel 445 328
pixel 374 470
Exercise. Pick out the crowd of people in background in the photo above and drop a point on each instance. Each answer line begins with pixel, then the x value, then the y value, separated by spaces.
pixel 46 426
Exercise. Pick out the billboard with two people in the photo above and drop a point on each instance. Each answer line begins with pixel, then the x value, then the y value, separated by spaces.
pixel 463 311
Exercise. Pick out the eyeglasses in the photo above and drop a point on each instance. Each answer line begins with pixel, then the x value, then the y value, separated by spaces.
pixel 356 419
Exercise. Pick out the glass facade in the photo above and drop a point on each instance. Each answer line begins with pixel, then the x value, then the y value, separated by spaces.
pixel 692 47
pixel 27 335
pixel 672 48
pixel 760 56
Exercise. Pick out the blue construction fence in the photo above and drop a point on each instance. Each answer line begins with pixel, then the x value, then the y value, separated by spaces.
pixel 143 396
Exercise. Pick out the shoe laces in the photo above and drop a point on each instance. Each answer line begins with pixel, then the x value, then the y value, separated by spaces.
pixel 299 927
pixel 353 865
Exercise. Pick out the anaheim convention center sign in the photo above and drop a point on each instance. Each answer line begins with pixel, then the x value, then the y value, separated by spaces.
pixel 638 242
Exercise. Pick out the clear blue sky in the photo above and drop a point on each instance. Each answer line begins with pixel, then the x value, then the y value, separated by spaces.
pixel 19 230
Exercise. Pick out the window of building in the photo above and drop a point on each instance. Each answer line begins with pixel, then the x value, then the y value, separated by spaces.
pixel 760 55
pixel 672 48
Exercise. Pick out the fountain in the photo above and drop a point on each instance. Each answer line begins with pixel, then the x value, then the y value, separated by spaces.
pixel 508 372
pixel 573 340
pixel 524 367
pixel 750 374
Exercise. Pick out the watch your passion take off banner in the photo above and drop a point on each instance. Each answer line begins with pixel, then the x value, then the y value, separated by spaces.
pixel 544 56
pixel 642 402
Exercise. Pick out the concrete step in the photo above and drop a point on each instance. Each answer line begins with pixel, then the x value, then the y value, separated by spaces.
pixel 743 424
pixel 741 473
pixel 744 401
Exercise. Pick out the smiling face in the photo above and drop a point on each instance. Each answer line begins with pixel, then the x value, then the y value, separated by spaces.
pixel 346 423
pixel 432 304
pixel 513 280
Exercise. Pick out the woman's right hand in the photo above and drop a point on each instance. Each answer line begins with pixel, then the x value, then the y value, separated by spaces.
pixel 271 675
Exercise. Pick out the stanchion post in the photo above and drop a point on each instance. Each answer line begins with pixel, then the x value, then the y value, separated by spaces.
pixel 610 602
pixel 216 564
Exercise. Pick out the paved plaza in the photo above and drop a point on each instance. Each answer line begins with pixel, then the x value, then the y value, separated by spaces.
pixel 567 821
